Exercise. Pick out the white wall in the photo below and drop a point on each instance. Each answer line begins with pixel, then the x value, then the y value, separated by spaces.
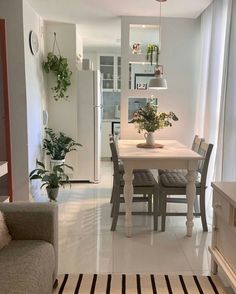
pixel 179 49
pixel 62 114
pixel 35 89
pixel 12 12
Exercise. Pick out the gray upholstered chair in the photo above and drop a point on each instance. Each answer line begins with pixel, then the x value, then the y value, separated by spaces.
pixel 195 147
pixel 174 183
pixel 144 184
pixel 29 263
pixel 121 171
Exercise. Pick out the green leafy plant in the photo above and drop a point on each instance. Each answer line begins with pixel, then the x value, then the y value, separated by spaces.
pixel 57 144
pixel 51 179
pixel 59 66
pixel 149 119
pixel 151 48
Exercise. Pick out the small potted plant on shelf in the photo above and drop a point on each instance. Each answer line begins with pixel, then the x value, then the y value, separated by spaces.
pixel 58 65
pixel 57 145
pixel 51 179
pixel 151 49
pixel 148 119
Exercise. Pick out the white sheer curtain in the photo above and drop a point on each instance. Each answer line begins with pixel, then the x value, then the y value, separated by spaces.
pixel 229 138
pixel 215 28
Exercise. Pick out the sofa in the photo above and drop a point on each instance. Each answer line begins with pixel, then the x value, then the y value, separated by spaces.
pixel 28 264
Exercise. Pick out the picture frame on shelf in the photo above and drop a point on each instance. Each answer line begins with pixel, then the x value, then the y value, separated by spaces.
pixel 115 129
pixel 141 80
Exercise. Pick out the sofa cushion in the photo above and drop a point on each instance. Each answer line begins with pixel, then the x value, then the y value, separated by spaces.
pixel 5 237
pixel 26 267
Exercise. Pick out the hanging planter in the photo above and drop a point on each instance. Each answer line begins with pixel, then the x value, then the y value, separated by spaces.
pixel 151 49
pixel 59 66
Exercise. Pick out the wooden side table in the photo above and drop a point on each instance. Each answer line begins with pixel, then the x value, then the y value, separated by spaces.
pixel 223 248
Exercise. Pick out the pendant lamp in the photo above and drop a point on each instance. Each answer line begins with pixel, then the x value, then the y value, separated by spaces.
pixel 158 83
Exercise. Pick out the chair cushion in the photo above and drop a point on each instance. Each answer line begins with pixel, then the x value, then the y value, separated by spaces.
pixel 175 179
pixel 142 178
pixel 26 266
pixel 162 171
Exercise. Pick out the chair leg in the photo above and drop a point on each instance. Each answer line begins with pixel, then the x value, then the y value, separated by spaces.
pixel 203 211
pixel 163 212
pixel 55 284
pixel 150 203
pixel 155 210
pixel 115 209
pixel 196 205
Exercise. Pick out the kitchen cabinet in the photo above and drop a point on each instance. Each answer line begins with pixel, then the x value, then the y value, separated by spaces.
pixel 224 230
pixel 110 67
pixel 106 131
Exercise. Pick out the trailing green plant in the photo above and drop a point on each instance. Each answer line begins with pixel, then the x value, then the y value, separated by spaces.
pixel 59 66
pixel 57 144
pixel 51 179
pixel 151 48
pixel 149 119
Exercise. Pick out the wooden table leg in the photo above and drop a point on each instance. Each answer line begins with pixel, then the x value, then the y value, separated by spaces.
pixel 128 195
pixel 190 194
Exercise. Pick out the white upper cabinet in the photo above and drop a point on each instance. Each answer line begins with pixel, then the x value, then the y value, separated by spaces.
pixel 110 67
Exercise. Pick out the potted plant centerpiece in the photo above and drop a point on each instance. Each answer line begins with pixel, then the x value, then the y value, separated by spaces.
pixel 51 179
pixel 57 145
pixel 148 119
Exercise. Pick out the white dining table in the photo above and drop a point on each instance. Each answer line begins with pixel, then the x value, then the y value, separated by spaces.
pixel 173 155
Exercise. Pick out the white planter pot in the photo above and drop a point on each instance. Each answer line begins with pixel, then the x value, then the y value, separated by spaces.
pixel 54 162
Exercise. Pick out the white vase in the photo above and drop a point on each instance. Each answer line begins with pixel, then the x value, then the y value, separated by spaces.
pixel 150 139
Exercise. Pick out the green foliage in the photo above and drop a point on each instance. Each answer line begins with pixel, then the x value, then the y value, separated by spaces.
pixel 151 48
pixel 59 66
pixel 147 118
pixel 51 179
pixel 57 145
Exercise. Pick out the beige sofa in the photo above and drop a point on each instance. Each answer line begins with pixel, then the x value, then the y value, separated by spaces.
pixel 29 263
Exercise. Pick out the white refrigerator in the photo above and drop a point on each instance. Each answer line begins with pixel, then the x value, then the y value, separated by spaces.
pixel 89 114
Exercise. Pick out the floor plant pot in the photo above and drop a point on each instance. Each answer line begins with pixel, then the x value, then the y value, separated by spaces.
pixel 150 139
pixel 52 193
pixel 54 162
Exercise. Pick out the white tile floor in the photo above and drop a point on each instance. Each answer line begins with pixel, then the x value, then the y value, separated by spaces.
pixel 86 244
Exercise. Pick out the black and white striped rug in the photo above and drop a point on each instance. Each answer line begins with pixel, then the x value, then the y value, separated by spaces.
pixel 138 284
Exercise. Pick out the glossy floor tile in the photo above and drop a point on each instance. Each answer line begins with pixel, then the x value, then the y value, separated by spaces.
pixel 87 245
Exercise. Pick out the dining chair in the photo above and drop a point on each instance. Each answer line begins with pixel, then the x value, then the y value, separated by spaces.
pixel 174 183
pixel 121 171
pixel 144 184
pixel 195 147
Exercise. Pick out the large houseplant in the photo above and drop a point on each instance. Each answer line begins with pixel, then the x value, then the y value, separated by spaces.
pixel 58 144
pixel 148 119
pixel 51 179
pixel 59 66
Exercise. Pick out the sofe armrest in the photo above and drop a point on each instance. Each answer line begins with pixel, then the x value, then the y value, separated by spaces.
pixel 31 221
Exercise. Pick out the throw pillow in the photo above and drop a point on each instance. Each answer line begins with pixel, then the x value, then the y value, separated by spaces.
pixel 5 237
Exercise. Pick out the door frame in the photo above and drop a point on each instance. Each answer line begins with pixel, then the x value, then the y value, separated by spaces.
pixel 3 53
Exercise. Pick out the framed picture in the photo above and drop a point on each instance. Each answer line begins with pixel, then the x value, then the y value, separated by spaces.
pixel 141 80
pixel 115 129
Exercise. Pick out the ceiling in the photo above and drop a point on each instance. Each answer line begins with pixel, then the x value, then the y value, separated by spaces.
pixel 99 20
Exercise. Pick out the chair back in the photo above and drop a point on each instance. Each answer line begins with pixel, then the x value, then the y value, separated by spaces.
pixel 115 160
pixel 196 143
pixel 204 150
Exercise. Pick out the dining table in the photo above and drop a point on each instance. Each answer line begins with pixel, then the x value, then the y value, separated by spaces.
pixel 172 155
